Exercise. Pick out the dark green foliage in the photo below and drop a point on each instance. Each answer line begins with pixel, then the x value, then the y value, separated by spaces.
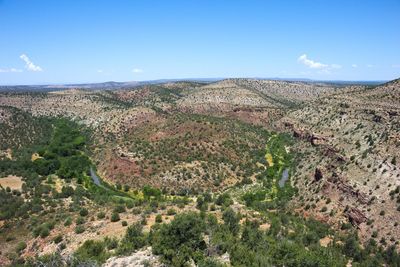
pixel 183 234
pixel 79 229
pixel 92 250
pixel 20 246
pixel 133 239
pixel 224 200
pixel 149 192
pixel 158 218
pixel 11 205
pixel 115 217
pixel 43 230
pixel 251 197
pixel 58 239
pixel 231 220
pixel 101 215
pixel 119 209
pixel 83 212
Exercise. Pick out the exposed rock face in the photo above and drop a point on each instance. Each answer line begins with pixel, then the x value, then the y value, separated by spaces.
pixel 140 258
pixel 316 139
pixel 348 190
pixel 356 217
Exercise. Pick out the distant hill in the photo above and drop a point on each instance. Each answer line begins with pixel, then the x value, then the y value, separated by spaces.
pixel 112 85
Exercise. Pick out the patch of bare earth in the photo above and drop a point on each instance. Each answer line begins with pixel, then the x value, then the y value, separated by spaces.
pixel 11 181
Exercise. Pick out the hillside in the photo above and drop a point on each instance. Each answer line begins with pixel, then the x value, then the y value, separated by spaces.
pixel 350 146
pixel 245 170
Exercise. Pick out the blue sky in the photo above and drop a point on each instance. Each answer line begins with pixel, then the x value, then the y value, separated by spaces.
pixel 95 41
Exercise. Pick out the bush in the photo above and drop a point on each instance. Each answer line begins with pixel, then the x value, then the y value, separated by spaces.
pixel 158 218
pixel 119 209
pixel 20 246
pixel 83 212
pixel 111 243
pixel 171 212
pixel 42 230
pixel 115 217
pixel 68 221
pixel 224 200
pixel 80 220
pixel 133 239
pixel 58 239
pixel 92 251
pixel 178 241
pixel 79 229
pixel 231 220
pixel 124 223
pixel 101 215
pixel 44 233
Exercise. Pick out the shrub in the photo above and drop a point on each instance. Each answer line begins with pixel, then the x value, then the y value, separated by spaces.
pixel 110 243
pixel 79 229
pixel 58 239
pixel 158 218
pixel 68 221
pixel 171 212
pixel 224 200
pixel 80 220
pixel 83 212
pixel 20 246
pixel 92 251
pixel 119 209
pixel 346 226
pixel 231 220
pixel 183 235
pixel 124 223
pixel 133 239
pixel 101 215
pixel 115 217
pixel 42 231
pixel 45 232
pixel 129 205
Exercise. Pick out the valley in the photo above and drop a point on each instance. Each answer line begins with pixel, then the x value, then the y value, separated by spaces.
pixel 237 172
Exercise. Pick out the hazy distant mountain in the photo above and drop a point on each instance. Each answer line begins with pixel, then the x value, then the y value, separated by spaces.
pixel 110 85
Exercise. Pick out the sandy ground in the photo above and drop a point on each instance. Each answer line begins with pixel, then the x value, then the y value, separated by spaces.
pixel 14 182
pixel 324 242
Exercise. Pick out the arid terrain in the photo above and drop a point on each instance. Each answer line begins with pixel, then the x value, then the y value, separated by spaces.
pixel 310 165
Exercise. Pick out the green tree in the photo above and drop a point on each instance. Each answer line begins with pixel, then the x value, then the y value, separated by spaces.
pixel 178 241
pixel 231 220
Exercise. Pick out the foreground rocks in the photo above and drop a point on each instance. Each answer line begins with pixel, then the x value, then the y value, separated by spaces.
pixel 141 258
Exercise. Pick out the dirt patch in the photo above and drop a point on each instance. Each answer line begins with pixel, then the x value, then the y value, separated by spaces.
pixel 265 226
pixel 11 181
pixel 324 242
pixel 35 156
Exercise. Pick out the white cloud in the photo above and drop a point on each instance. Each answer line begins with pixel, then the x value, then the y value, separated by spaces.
pixel 310 63
pixel 370 66
pixel 10 70
pixel 354 65
pixel 396 66
pixel 136 70
pixel 29 64
pixel 100 71
pixel 317 65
